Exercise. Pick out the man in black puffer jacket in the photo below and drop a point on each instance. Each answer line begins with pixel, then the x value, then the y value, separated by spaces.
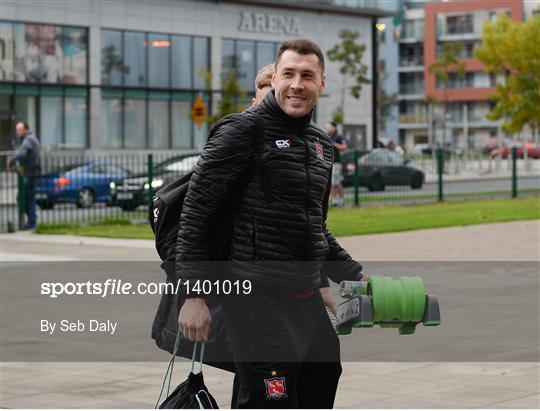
pixel 285 349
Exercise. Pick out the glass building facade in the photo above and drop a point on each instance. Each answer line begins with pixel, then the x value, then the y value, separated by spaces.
pixel 149 84
pixel 43 81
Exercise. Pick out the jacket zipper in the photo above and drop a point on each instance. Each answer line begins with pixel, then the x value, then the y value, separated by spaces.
pixel 308 183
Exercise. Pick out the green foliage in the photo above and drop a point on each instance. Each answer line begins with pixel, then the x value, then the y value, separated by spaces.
pixel 349 54
pixel 385 101
pixel 231 96
pixel 512 49
pixel 448 62
pixel 337 115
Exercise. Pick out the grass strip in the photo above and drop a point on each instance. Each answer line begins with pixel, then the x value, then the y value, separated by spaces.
pixel 356 221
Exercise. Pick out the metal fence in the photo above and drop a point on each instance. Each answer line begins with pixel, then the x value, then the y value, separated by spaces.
pixel 99 188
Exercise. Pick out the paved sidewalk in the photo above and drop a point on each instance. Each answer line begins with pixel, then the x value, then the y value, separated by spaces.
pixel 379 384
pixel 513 241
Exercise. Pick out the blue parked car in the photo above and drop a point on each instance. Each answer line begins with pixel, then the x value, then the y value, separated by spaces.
pixel 82 184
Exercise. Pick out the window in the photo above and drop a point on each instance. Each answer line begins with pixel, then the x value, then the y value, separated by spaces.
pixel 25 108
pixel 40 53
pixel 466 52
pixel 112 64
pixel 411 55
pixel 246 68
pixel 457 81
pixel 75 122
pixel 381 36
pixel 459 24
pixel 181 120
pixel 159 47
pixel 111 122
pixel 413 29
pixel 411 83
pixel 412 112
pixel 158 123
pixel 200 61
pixel 56 114
pixel 266 54
pixel 138 118
pixel 181 69
pixel 51 121
pixel 134 123
pixel 395 159
pixel 135 59
pixel 245 58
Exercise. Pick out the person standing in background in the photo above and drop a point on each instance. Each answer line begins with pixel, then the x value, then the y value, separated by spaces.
pixel 340 145
pixel 29 154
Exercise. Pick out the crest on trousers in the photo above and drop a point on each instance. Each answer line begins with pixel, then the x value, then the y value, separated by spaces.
pixel 275 388
pixel 319 150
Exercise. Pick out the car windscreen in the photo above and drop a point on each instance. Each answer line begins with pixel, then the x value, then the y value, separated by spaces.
pixel 185 165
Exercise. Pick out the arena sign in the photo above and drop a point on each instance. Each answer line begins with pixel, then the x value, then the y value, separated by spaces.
pixel 269 23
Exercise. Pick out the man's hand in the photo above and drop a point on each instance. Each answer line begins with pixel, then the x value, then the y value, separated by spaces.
pixel 329 299
pixel 362 276
pixel 194 320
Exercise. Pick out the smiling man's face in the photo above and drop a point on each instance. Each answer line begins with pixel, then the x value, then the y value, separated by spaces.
pixel 298 81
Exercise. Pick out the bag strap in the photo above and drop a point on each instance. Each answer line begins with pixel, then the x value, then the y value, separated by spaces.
pixel 201 357
pixel 170 367
pixel 169 371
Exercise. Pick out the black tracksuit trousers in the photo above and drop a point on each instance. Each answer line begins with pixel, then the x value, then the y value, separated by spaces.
pixel 285 349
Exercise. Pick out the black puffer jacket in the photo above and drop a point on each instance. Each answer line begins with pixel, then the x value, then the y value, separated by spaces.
pixel 280 238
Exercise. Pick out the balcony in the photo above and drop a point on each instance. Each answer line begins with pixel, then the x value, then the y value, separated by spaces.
pixel 458 32
pixel 411 64
pixel 411 89
pixel 412 118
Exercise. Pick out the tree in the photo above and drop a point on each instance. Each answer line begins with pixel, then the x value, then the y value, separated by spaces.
pixel 511 49
pixel 447 65
pixel 349 54
pixel 112 61
pixel 385 101
pixel 231 95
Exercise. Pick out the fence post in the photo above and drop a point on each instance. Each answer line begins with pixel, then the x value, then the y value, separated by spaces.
pixel 20 199
pixel 150 173
pixel 514 172
pixel 440 171
pixel 356 180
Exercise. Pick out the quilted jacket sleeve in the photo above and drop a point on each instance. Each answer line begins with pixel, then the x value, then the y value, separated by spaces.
pixel 339 265
pixel 227 155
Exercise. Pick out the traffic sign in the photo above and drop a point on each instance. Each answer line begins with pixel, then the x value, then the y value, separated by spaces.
pixel 199 111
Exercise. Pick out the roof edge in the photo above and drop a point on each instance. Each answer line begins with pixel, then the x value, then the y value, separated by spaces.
pixel 331 9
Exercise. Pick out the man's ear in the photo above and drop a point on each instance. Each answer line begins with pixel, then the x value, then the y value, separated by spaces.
pixel 273 82
pixel 253 101
pixel 323 84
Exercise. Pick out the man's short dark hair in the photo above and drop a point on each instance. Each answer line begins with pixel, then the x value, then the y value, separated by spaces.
pixel 333 124
pixel 301 46
pixel 25 124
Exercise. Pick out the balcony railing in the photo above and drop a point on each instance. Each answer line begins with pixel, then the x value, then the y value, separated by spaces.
pixel 411 61
pixel 412 118
pixel 411 89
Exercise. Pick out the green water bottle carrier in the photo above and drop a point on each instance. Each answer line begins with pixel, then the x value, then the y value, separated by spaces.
pixel 391 303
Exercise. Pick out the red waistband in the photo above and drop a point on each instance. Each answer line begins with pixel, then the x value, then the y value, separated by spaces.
pixel 301 295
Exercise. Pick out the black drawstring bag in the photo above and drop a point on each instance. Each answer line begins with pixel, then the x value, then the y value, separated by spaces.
pixel 192 393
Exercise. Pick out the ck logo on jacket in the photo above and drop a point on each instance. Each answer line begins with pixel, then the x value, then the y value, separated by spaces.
pixel 283 143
